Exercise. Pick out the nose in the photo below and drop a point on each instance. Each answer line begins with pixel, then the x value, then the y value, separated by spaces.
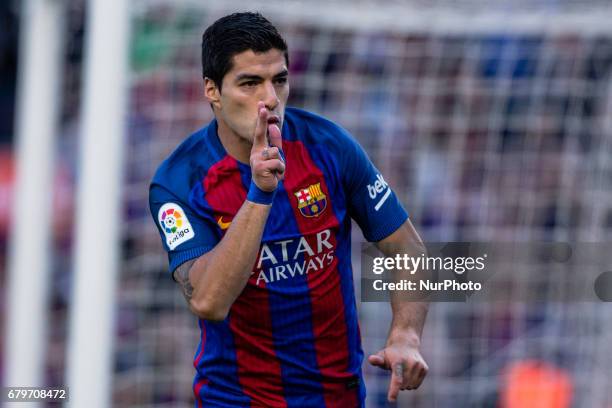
pixel 270 98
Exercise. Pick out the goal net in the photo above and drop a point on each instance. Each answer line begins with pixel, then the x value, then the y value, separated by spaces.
pixel 491 120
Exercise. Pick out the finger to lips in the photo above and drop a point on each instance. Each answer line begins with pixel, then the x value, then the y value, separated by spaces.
pixel 259 139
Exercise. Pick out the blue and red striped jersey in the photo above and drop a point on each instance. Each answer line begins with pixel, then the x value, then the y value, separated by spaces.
pixel 291 339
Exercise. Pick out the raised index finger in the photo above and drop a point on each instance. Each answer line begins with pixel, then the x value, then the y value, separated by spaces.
pixel 259 138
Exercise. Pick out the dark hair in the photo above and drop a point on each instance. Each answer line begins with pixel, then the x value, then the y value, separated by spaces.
pixel 233 34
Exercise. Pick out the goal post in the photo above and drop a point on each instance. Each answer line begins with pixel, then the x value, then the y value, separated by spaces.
pixel 38 94
pixel 99 209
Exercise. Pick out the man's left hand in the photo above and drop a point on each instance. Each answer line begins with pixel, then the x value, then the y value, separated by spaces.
pixel 408 368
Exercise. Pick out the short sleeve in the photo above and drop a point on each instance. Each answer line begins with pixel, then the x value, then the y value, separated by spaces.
pixel 185 235
pixel 371 201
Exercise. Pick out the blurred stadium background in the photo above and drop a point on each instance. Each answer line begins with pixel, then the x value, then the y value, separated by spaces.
pixel 492 120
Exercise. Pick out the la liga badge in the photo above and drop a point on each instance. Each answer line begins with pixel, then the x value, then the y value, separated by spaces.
pixel 174 224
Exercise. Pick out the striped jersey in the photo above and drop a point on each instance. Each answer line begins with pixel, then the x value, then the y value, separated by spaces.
pixel 291 339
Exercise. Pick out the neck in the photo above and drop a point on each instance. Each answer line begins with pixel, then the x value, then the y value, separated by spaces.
pixel 236 146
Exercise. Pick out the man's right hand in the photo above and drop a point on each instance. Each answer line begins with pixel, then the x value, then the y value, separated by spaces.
pixel 267 166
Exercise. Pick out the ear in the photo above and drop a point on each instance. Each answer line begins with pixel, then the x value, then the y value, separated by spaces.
pixel 212 93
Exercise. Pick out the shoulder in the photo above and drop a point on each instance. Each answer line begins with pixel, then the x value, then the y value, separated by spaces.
pixel 185 164
pixel 313 129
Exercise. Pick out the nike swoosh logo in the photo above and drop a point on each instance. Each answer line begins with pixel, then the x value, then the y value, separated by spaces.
pixel 223 225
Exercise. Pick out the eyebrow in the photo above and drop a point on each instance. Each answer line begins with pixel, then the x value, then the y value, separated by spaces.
pixel 283 73
pixel 252 77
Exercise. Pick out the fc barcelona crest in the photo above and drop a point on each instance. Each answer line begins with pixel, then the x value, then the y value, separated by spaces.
pixel 311 200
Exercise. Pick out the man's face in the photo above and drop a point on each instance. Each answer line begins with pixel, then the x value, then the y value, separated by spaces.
pixel 254 77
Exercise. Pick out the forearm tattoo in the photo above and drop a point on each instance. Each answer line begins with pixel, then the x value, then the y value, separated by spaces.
pixel 181 274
